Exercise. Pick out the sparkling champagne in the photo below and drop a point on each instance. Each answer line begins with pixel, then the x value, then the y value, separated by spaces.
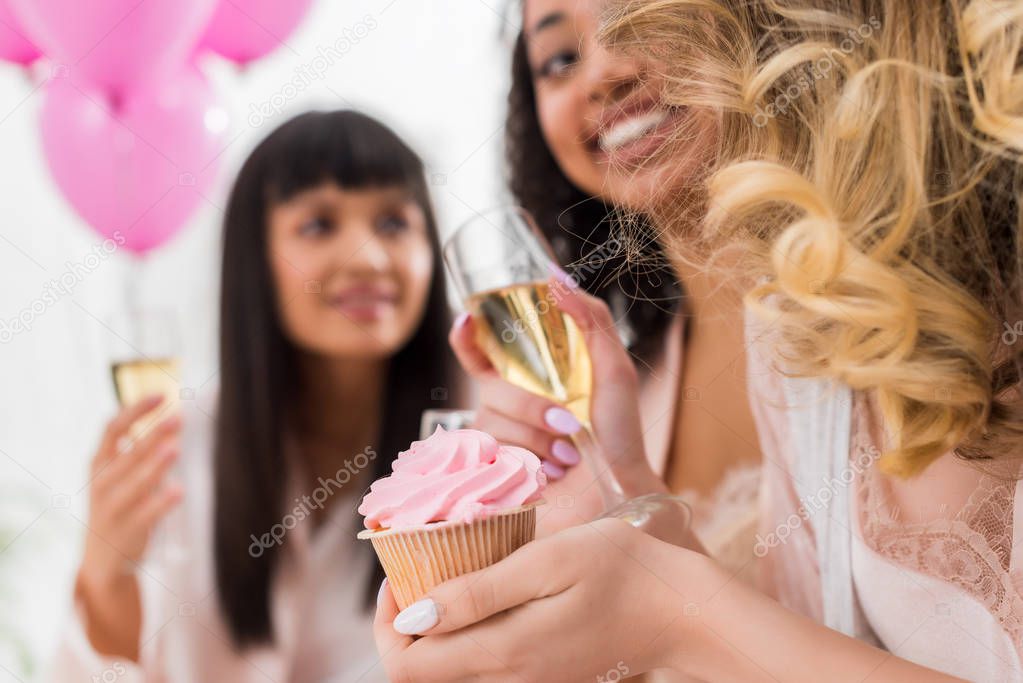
pixel 139 378
pixel 534 345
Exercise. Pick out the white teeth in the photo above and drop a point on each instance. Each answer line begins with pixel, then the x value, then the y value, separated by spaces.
pixel 631 129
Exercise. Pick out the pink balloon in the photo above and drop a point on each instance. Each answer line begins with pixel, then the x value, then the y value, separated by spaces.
pixel 119 45
pixel 14 44
pixel 139 172
pixel 244 30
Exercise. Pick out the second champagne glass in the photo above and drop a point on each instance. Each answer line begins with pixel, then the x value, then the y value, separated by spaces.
pixel 144 361
pixel 450 420
pixel 144 351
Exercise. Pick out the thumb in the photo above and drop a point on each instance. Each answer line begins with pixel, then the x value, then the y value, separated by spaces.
pixel 612 365
pixel 389 642
pixel 524 575
pixel 462 339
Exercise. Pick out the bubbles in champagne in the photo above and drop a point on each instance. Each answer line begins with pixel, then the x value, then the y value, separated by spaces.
pixel 534 345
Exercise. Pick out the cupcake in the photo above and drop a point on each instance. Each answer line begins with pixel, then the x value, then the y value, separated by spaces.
pixel 455 502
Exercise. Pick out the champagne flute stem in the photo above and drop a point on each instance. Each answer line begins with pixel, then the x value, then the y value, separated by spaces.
pixel 603 475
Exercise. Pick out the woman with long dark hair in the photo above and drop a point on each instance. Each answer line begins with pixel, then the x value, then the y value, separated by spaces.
pixel 582 123
pixel 333 327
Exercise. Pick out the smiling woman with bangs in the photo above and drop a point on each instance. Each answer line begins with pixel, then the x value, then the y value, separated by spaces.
pixel 331 295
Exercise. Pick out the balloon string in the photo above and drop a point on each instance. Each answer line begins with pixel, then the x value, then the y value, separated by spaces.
pixel 132 295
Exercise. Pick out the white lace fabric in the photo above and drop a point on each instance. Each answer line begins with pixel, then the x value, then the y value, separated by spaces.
pixel 955 523
pixel 726 521
pixel 936 559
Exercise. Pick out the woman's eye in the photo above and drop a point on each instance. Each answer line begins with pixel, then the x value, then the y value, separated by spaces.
pixel 392 225
pixel 558 65
pixel 314 227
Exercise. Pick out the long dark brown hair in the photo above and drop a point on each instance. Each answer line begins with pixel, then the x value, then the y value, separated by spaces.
pixel 258 375
pixel 634 277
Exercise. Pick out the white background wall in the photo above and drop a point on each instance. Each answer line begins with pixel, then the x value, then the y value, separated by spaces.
pixel 435 70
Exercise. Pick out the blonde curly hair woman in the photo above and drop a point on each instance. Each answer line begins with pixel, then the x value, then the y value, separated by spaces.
pixel 870 168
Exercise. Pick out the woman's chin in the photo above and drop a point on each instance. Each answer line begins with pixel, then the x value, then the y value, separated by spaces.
pixel 642 191
pixel 363 343
pixel 656 187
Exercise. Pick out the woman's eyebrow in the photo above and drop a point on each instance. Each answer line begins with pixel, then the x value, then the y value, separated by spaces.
pixel 546 21
pixel 398 193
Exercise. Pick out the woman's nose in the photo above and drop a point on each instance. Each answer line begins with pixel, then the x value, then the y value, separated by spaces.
pixel 610 75
pixel 361 250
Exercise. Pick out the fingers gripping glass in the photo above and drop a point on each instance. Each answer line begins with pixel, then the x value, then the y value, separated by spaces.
pixel 501 265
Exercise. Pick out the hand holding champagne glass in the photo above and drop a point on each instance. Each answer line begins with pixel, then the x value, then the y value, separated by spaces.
pixel 131 490
pixel 502 268
pixel 528 324
pixel 144 363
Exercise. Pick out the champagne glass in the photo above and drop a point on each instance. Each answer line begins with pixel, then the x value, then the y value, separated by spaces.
pixel 145 361
pixel 502 265
pixel 450 420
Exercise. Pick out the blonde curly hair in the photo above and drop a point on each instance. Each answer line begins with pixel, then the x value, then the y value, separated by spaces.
pixel 869 164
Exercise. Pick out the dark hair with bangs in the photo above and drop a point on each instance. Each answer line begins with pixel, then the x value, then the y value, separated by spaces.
pixel 258 373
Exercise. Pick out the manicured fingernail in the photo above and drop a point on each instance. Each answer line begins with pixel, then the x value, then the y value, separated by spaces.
pixel 380 593
pixel 563 277
pixel 561 420
pixel 416 618
pixel 462 318
pixel 553 472
pixel 565 452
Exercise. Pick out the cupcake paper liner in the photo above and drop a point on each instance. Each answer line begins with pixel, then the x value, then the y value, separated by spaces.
pixel 415 560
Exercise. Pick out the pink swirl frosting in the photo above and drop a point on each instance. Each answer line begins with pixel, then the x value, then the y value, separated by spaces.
pixel 462 475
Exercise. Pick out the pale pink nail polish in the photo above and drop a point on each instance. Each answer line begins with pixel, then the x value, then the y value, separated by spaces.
pixel 565 452
pixel 380 592
pixel 561 420
pixel 563 277
pixel 553 471
pixel 462 318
